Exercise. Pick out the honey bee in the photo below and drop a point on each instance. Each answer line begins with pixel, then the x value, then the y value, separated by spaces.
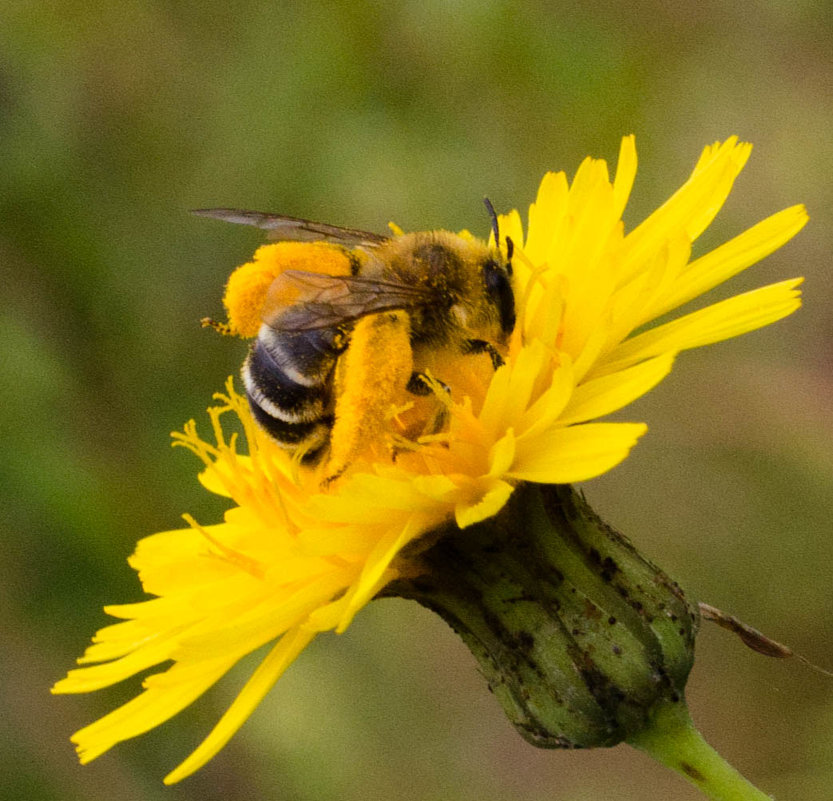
pixel 426 290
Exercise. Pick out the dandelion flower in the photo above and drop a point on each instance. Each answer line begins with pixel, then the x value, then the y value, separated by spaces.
pixel 292 558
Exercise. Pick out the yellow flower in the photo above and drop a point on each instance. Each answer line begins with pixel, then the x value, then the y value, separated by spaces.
pixel 292 559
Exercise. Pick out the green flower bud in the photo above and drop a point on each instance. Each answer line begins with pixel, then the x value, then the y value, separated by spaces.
pixel 579 636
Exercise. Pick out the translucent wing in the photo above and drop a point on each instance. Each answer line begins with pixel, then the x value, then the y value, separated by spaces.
pixel 301 301
pixel 296 229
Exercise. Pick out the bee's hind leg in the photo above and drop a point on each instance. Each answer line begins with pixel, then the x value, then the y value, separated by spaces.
pixel 475 346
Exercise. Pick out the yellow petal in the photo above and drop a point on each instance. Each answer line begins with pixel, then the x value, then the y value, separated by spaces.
pixel 510 225
pixel 625 173
pixel 512 388
pixel 734 256
pixel 602 396
pixel 502 454
pixel 567 455
pixel 212 479
pixel 87 679
pixel 378 561
pixel 547 216
pixel 550 405
pixel 277 612
pixel 332 540
pixel 723 320
pixel 356 601
pixel 488 505
pixel 269 671
pixel 153 707
pixel 691 208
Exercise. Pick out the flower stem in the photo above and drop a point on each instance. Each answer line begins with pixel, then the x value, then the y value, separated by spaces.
pixel 672 740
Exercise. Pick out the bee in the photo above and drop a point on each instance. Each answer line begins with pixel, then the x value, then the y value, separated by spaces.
pixel 372 306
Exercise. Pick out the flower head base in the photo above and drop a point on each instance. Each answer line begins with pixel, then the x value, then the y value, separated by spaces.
pixel 293 558
pixel 578 635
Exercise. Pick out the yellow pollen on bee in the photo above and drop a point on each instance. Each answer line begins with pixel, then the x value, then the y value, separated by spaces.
pixel 370 380
pixel 249 284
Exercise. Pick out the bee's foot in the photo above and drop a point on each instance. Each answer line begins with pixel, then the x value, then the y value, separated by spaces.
pixel 222 328
pixel 423 385
pixel 476 346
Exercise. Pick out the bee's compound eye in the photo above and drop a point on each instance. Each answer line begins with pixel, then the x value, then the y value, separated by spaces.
pixel 499 291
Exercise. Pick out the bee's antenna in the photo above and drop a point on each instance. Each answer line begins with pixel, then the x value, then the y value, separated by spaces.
pixel 510 245
pixel 510 251
pixel 493 218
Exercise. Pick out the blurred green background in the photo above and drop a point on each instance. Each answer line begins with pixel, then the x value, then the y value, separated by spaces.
pixel 117 117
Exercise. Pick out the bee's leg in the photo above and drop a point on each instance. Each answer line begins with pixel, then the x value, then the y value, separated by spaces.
pixel 369 376
pixel 420 384
pixel 482 346
pixel 223 328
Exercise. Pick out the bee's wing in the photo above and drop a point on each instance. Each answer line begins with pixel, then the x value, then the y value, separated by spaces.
pixel 302 301
pixel 296 229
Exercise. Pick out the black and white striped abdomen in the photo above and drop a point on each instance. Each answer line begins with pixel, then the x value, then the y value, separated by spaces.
pixel 288 380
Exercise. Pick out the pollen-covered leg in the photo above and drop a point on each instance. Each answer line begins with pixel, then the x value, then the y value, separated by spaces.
pixel 371 376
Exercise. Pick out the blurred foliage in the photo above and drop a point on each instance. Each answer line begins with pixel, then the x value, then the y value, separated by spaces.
pixel 115 118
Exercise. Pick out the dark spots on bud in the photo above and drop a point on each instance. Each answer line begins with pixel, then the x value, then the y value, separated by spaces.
pixel 617 649
pixel 525 640
pixel 541 738
pixel 692 773
pixel 612 620
pixel 608 694
pixel 520 598
pixel 606 566
pixel 591 611
pixel 609 569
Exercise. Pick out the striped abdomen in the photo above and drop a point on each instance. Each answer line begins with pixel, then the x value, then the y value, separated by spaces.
pixel 288 380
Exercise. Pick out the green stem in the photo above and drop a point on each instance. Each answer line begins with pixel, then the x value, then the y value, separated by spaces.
pixel 672 740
